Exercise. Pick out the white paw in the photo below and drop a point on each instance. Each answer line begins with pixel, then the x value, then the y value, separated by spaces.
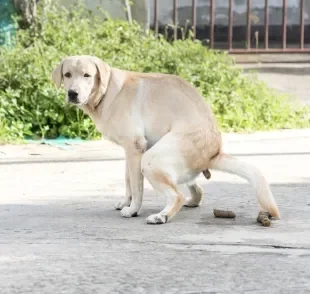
pixel 157 219
pixel 121 204
pixel 189 202
pixel 128 212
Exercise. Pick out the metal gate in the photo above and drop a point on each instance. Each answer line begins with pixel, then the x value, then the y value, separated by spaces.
pixel 248 48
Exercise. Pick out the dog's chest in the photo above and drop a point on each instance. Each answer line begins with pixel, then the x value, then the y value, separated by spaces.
pixel 109 132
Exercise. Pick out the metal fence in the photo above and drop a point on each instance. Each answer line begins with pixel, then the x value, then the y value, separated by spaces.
pixel 284 48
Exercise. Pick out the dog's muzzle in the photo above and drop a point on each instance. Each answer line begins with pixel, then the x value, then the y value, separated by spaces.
pixel 73 97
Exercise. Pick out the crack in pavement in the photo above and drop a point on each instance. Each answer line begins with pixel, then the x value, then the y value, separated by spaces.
pixel 77 160
pixel 181 243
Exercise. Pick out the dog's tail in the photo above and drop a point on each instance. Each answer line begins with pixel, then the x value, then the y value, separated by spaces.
pixel 226 163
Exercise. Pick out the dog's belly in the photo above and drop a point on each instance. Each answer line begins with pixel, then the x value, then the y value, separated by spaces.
pixel 153 135
pixel 152 139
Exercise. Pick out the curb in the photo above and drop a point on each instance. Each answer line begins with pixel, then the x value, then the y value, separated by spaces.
pixel 267 135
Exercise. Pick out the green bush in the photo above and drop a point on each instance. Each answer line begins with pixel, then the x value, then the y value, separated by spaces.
pixel 31 106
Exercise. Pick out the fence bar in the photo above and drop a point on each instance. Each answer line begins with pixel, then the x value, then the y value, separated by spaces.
pixel 269 50
pixel 284 24
pixel 212 24
pixel 194 18
pixel 266 24
pixel 230 24
pixel 302 24
pixel 156 16
pixel 175 18
pixel 248 32
pixel 249 50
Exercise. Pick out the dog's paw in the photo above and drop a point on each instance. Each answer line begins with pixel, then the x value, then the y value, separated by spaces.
pixel 157 219
pixel 189 202
pixel 128 212
pixel 121 204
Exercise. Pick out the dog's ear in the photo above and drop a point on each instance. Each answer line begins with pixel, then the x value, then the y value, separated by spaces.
pixel 104 73
pixel 57 75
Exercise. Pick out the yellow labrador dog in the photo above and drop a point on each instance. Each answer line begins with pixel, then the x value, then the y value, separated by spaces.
pixel 168 132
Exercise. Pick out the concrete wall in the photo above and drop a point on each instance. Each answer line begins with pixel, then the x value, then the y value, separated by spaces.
pixel 116 8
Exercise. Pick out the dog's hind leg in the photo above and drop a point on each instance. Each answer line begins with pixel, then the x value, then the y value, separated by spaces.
pixel 196 195
pixel 165 168
pixel 196 192
pixel 164 184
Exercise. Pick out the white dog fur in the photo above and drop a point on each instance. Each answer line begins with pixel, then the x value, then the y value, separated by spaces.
pixel 168 132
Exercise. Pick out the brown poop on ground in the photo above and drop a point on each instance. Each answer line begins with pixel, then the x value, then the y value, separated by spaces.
pixel 224 213
pixel 264 218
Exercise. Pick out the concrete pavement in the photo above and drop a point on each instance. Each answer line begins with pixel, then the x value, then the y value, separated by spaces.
pixel 59 232
pixel 292 79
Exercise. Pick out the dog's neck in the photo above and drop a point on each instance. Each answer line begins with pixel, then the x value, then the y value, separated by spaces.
pixel 95 109
pixel 96 100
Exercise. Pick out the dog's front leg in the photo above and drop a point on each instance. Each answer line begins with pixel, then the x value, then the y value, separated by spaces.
pixel 133 160
pixel 127 199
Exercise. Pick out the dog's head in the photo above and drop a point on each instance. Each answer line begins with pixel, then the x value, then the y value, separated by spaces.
pixel 85 79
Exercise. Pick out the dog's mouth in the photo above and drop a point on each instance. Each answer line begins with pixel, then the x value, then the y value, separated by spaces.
pixel 75 102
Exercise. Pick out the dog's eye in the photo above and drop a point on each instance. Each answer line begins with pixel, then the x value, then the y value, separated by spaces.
pixel 86 75
pixel 68 75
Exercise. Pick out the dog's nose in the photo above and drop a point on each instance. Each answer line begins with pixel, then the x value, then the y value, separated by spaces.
pixel 73 96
